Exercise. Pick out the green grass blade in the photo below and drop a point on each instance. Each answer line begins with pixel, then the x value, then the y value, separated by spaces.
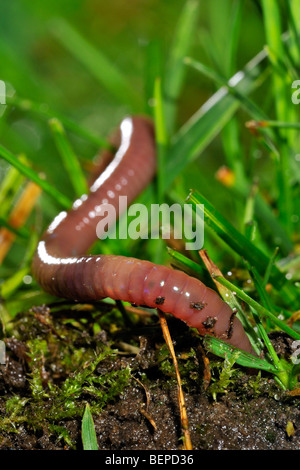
pixel 9 186
pixel 260 287
pixel 230 298
pixel 270 266
pixel 161 137
pixel 69 158
pixel 237 13
pixel 43 111
pixel 245 102
pixel 259 308
pixel 207 122
pixel 265 215
pixel 272 14
pixel 185 263
pixel 266 302
pixel 89 438
pixel 277 231
pixel 98 65
pixel 175 73
pixel 293 12
pixel 242 246
pixel 220 348
pixel 273 30
pixel 20 232
pixel 249 222
pixel 60 198
pixel 227 232
pixel 152 70
pixel 11 284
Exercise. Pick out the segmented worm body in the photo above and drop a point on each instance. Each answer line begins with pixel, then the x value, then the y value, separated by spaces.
pixel 62 268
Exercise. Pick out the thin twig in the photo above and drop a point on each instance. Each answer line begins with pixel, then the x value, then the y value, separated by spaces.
pixel 182 407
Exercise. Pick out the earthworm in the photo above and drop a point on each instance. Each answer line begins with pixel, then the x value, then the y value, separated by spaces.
pixel 62 268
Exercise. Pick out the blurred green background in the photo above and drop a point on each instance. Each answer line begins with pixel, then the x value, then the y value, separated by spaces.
pixel 40 68
pixel 38 65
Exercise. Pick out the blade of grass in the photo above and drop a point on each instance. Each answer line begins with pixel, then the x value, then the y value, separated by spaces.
pixel 293 12
pixel 10 285
pixel 43 111
pixel 9 186
pixel 265 214
pixel 18 216
pixel 20 232
pixel 55 194
pixel 175 72
pixel 228 297
pixel 186 263
pixel 244 247
pixel 248 222
pixel 153 69
pixel 270 266
pixel 264 336
pixel 245 102
pixel 268 137
pixel 258 308
pixel 161 137
pixel 220 348
pixel 257 126
pixel 98 65
pixel 273 29
pixel 69 158
pixel 162 141
pixel 276 124
pixel 206 123
pixel 227 232
pixel 282 373
pixel 235 27
pixel 262 292
pixel 88 433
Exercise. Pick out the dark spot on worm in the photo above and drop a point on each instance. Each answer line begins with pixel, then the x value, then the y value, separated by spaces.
pixel 198 305
pixel 209 323
pixel 229 330
pixel 159 300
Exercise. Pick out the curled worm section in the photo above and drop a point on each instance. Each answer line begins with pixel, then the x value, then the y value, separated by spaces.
pixel 62 268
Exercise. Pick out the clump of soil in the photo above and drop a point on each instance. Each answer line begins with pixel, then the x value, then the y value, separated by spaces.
pixel 59 360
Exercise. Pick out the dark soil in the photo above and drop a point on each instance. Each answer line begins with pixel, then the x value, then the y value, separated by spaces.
pixel 141 413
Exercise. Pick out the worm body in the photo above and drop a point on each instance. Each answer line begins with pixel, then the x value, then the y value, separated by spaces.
pixel 62 268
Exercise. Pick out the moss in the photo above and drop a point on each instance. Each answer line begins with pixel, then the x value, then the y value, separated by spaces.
pixel 61 377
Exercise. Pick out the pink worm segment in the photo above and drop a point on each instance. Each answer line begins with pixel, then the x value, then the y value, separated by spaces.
pixel 61 268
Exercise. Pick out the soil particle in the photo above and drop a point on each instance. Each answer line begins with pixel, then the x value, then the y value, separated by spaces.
pixel 12 376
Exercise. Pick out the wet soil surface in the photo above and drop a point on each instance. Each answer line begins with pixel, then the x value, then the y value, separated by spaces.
pixel 142 413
